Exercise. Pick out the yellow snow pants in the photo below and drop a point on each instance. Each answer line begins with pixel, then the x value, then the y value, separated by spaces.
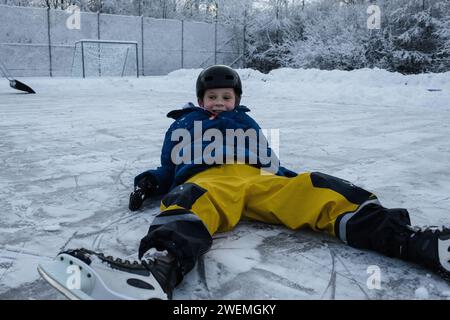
pixel 228 193
pixel 215 200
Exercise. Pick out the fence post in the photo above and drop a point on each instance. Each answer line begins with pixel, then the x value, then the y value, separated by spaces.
pixel 142 41
pixel 244 31
pixel 137 61
pixel 215 42
pixel 98 25
pixel 98 46
pixel 182 44
pixel 82 59
pixel 49 43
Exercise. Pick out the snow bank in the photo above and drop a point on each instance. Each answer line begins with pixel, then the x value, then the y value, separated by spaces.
pixel 361 77
pixel 363 86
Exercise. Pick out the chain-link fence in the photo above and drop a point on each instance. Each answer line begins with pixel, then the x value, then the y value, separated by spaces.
pixel 41 41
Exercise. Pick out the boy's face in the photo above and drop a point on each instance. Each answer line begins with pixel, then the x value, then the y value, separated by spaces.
pixel 218 100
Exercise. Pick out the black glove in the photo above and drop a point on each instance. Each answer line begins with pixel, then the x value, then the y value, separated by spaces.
pixel 137 198
pixel 144 189
pixel 147 184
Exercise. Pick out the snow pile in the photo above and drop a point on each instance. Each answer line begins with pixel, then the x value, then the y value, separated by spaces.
pixel 365 87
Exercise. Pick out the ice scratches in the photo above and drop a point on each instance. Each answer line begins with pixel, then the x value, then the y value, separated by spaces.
pixel 12 252
pixel 68 241
pixel 118 177
pixel 5 266
pixel 100 233
pixel 10 255
pixel 96 243
pixel 399 279
pixel 36 290
pixel 349 273
pixel 259 283
pixel 309 246
pixel 77 187
pixel 332 283
pixel 109 133
pixel 21 185
pixel 293 242
pixel 121 220
pixel 201 270
pixel 269 275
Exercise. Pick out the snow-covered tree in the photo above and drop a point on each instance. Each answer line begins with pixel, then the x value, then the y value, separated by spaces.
pixel 441 11
pixel 274 27
pixel 330 38
pixel 328 34
pixel 414 38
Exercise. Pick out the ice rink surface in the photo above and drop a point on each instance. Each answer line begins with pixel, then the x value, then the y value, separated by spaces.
pixel 69 153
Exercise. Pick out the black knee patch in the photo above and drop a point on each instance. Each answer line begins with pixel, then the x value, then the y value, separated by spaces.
pixel 184 195
pixel 352 193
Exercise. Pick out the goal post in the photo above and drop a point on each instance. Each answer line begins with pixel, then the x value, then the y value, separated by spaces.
pixel 100 58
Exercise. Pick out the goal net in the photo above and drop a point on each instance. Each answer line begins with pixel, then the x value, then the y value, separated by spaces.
pixel 105 58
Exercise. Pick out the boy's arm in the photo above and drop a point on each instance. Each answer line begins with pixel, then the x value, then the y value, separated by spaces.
pixel 162 177
pixel 157 181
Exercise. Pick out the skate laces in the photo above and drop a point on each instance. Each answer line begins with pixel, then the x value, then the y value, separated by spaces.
pixel 86 256
pixel 147 260
pixel 152 254
pixel 426 228
pixel 118 261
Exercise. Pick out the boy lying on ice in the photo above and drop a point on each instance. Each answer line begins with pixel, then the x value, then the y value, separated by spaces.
pixel 216 168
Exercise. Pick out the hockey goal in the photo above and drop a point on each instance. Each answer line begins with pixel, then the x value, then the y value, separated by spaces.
pixel 100 58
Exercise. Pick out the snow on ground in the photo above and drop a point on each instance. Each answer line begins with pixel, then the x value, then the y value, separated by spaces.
pixel 69 155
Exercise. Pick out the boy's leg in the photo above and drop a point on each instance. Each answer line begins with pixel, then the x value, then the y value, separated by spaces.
pixel 376 228
pixel 214 200
pixel 313 200
pixel 350 213
pixel 326 203
pixel 389 231
pixel 192 212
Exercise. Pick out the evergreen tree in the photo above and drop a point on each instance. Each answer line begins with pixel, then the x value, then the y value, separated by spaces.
pixel 415 39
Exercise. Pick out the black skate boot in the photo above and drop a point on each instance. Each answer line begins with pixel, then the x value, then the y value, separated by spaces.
pixel 430 246
pixel 106 278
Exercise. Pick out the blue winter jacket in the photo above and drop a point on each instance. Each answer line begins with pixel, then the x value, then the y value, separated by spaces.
pixel 191 118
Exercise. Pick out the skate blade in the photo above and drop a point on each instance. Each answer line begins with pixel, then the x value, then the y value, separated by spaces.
pixel 71 294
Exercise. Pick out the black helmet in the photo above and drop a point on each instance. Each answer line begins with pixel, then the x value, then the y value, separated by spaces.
pixel 218 76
